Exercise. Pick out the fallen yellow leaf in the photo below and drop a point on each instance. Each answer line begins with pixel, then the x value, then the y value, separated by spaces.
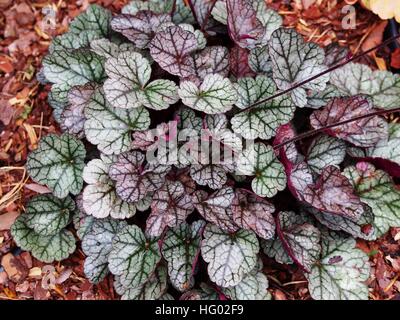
pixel 385 9
pixel 35 272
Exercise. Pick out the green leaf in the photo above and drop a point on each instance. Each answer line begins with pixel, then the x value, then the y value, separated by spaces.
pixel 230 256
pixel 215 95
pixel 181 248
pixel 99 196
pixel 73 68
pixel 126 87
pixel 263 120
pixel 383 86
pixel 340 272
pixel 97 245
pixel 47 249
pixel 58 99
pixel 259 60
pixel 376 189
pixel 48 215
pixel 260 161
pixel 107 49
pixel 66 42
pixel 110 128
pixel 95 19
pixel 294 60
pixel 154 288
pixel 58 163
pixel 133 257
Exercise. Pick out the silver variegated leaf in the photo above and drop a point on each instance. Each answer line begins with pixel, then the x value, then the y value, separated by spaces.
pixel 363 228
pixel 341 271
pixel 95 20
pixel 211 175
pixel 259 60
pixel 110 128
pixel 376 189
pixel 47 249
pixel 253 287
pixel 82 221
pixel 200 38
pixel 294 60
pixel 263 120
pixel 325 151
pixel 133 257
pixel 215 95
pixel 229 256
pixel 97 245
pixel 108 49
pixel 58 163
pixel 270 19
pixel 318 99
pixel 388 149
pixel 358 79
pixel 126 87
pixel 73 68
pixel 181 248
pixel 48 215
pixel 100 199
pixel 58 99
pixel 259 160
pixel 153 289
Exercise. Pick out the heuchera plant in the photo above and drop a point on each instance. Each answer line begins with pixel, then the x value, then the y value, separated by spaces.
pixel 186 162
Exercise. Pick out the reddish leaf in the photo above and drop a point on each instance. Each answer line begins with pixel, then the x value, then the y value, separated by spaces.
pixel 239 63
pixel 140 28
pixel 395 59
pixel 253 213
pixel 333 193
pixel 171 49
pixel 170 207
pixel 217 207
pixel 243 26
pixel 363 133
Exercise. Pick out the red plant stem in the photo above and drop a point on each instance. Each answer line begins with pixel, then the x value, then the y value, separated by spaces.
pixel 204 25
pixel 173 9
pixel 286 245
pixel 337 66
pixel 189 2
pixel 315 131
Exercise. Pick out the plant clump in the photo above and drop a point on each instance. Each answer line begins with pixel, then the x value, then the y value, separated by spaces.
pixel 179 143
